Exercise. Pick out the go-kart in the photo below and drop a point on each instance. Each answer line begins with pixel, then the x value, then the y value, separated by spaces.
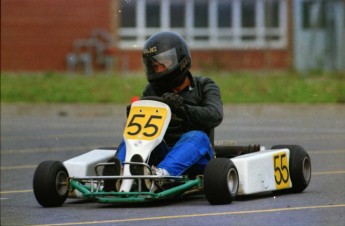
pixel 235 170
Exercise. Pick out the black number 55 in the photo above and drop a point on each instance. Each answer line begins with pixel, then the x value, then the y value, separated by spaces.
pixel 281 169
pixel 142 126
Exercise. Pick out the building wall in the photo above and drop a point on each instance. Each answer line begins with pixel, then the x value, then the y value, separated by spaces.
pixel 239 59
pixel 36 35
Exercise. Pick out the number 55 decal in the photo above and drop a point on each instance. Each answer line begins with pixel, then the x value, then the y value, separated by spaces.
pixel 281 170
pixel 145 123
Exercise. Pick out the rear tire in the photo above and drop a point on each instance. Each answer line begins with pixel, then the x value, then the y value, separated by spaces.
pixel 300 167
pixel 50 184
pixel 221 181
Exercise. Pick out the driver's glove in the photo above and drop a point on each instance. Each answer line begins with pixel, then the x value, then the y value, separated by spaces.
pixel 173 100
pixel 128 109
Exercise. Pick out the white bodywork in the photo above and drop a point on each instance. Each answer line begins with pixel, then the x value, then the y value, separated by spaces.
pixel 263 171
pixel 256 171
pixel 259 171
pixel 84 165
pixel 140 144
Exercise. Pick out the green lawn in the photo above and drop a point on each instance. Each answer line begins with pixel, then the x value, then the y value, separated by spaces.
pixel 236 87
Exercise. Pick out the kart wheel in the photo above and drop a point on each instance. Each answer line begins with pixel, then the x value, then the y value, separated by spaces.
pixel 300 167
pixel 50 183
pixel 221 181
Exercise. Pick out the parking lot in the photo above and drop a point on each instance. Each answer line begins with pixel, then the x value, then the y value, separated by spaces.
pixel 31 134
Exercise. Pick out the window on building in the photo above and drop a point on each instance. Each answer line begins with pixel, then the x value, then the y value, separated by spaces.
pixel 206 23
pixel 224 15
pixel 248 13
pixel 200 13
pixel 177 14
pixel 127 12
pixel 272 14
pixel 272 19
pixel 128 19
pixel 314 14
pixel 153 13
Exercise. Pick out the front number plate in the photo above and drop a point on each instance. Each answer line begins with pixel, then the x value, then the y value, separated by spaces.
pixel 145 123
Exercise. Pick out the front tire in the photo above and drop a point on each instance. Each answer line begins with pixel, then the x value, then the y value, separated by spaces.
pixel 300 167
pixel 50 184
pixel 221 181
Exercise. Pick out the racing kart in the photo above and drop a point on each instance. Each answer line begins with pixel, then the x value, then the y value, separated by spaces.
pixel 235 170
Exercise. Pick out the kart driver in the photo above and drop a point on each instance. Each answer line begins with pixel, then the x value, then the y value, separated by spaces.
pixel 195 103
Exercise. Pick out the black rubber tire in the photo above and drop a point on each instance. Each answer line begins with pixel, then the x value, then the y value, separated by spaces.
pixel 50 183
pixel 300 168
pixel 221 181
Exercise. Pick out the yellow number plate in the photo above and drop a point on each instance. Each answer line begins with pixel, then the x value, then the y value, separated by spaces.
pixel 145 123
pixel 281 170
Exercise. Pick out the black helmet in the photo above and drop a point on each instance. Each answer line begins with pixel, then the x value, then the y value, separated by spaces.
pixel 170 51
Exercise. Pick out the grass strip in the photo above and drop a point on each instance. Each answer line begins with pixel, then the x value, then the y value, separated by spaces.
pixel 236 87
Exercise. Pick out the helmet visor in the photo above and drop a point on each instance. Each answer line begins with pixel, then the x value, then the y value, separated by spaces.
pixel 160 63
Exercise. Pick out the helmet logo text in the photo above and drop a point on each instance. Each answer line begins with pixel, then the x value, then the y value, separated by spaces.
pixel 184 63
pixel 150 50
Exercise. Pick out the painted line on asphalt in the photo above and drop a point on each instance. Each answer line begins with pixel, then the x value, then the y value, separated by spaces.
pixel 18 167
pixel 328 172
pixel 314 174
pixel 340 151
pixel 62 136
pixel 50 149
pixel 195 215
pixel 287 138
pixel 15 192
pixel 41 150
pixel 64 149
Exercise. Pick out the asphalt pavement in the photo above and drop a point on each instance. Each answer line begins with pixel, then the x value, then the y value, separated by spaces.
pixel 31 134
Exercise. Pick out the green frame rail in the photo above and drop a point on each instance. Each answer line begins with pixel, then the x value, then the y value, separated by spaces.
pixel 189 186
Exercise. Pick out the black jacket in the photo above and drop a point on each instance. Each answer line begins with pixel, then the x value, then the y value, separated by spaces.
pixel 203 104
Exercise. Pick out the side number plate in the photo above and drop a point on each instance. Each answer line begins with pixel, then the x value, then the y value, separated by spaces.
pixel 281 170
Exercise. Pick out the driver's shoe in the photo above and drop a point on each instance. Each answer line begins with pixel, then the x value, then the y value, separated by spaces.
pixel 161 172
pixel 154 185
pixel 112 170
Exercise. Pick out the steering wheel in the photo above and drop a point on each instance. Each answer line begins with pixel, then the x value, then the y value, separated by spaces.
pixel 177 125
pixel 156 98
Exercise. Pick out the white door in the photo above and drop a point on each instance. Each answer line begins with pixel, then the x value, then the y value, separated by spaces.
pixel 319 42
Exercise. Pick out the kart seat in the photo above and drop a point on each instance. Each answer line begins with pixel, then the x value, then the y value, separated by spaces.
pixel 229 149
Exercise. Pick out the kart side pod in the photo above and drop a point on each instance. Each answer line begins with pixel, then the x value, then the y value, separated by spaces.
pixel 284 167
pixel 84 165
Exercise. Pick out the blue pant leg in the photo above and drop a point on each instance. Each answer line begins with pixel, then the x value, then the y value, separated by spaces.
pixel 194 147
pixel 159 152
pixel 121 152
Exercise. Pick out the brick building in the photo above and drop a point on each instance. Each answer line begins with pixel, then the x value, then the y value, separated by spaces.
pixel 40 35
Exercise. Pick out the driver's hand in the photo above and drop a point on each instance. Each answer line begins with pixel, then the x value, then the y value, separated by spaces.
pixel 173 100
pixel 128 109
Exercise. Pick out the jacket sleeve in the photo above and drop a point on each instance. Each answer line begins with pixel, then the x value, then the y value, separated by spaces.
pixel 209 113
pixel 148 91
